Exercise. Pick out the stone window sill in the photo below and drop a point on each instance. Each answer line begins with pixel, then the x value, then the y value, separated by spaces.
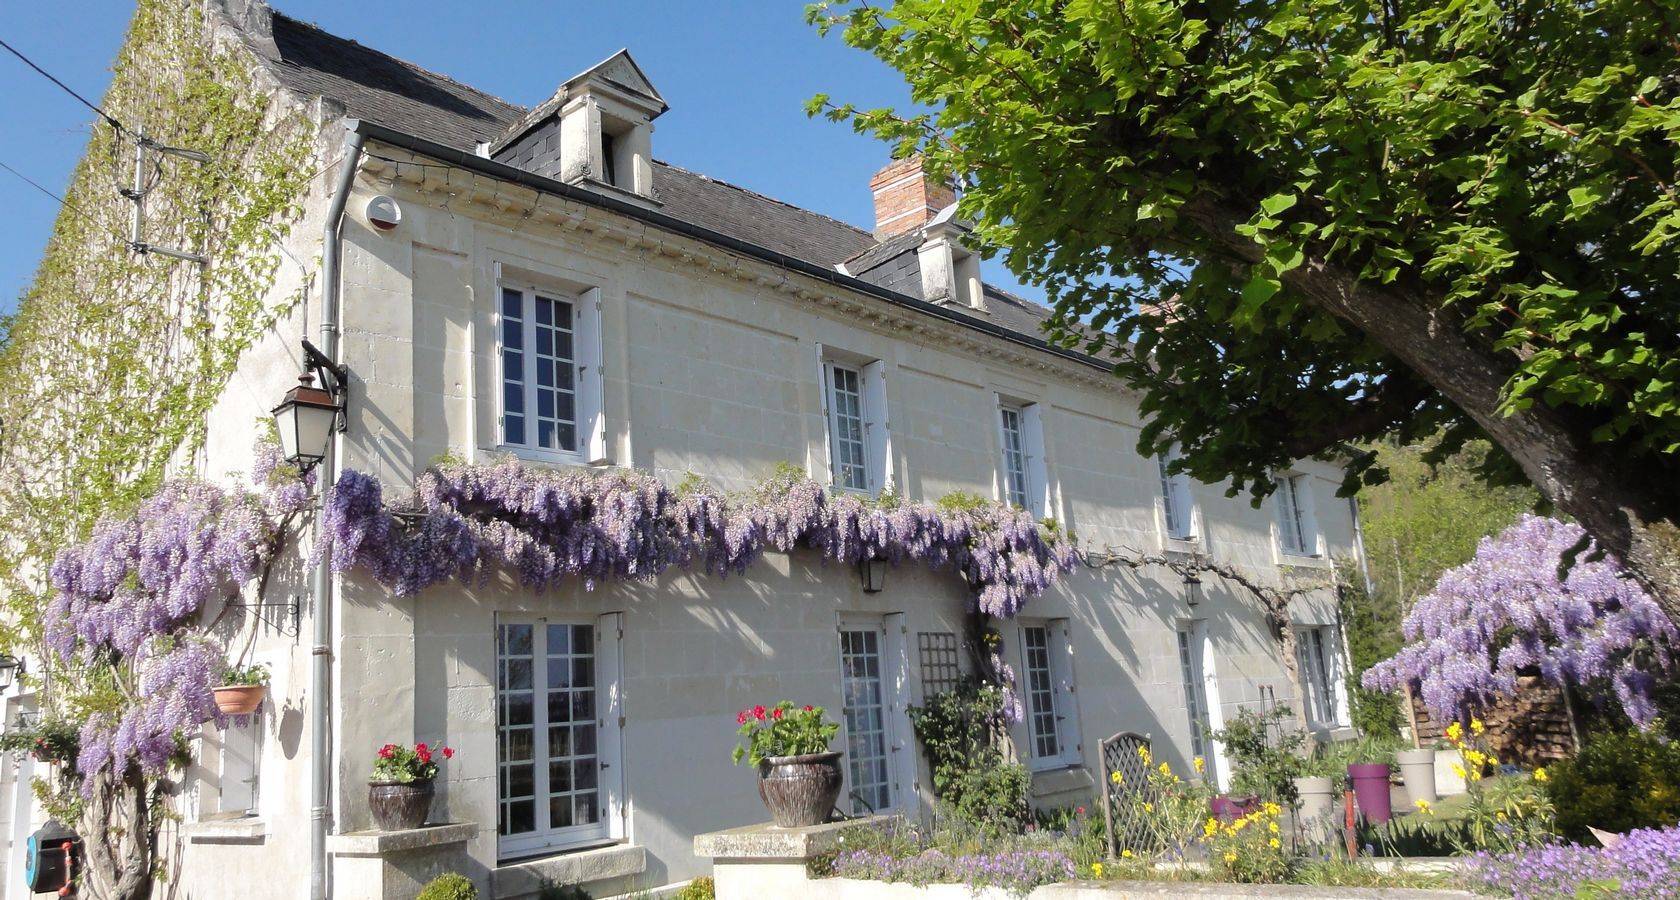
pixel 226 830
pixel 1061 780
pixel 571 867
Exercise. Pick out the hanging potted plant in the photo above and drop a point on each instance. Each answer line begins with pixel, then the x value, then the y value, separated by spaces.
pixel 798 776
pixel 403 784
pixel 242 690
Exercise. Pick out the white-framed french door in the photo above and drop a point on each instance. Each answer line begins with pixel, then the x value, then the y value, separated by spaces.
pixel 558 724
pixel 868 719
pixel 1201 698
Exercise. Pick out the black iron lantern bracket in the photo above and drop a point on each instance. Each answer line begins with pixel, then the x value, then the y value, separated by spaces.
pixel 335 379
pixel 286 609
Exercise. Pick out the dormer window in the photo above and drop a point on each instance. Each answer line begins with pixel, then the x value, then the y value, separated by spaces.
pixel 950 270
pixel 597 130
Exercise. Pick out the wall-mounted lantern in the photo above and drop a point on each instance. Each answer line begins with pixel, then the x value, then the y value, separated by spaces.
pixel 1192 588
pixel 10 668
pixel 308 415
pixel 874 572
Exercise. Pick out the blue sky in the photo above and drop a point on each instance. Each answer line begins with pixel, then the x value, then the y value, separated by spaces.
pixel 736 74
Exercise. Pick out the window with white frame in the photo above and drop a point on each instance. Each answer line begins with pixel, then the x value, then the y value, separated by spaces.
pixel 1319 664
pixel 854 404
pixel 241 767
pixel 1021 474
pixel 548 350
pixel 864 712
pixel 1177 510
pixel 1047 682
pixel 556 735
pixel 1297 531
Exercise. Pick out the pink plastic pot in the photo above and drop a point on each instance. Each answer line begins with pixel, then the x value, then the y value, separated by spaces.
pixel 1371 789
pixel 1227 808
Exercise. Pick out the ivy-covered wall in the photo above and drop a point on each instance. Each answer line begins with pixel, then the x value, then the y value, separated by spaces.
pixel 112 359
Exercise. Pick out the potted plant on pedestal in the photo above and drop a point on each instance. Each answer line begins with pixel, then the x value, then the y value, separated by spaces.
pixel 242 690
pixel 798 776
pixel 403 783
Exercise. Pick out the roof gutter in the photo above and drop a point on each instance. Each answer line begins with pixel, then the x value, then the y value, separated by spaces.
pixel 493 169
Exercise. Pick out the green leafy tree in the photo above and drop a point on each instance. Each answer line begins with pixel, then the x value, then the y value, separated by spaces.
pixel 1294 224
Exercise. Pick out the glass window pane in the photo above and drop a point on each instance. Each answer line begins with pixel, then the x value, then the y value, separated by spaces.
pixel 521 816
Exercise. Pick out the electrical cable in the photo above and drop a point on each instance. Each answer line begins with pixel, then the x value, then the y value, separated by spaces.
pixel 65 203
pixel 112 120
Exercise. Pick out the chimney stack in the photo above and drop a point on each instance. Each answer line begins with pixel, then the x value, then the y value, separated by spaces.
pixel 906 198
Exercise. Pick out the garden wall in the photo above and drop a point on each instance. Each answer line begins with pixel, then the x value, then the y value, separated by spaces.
pixel 1532 727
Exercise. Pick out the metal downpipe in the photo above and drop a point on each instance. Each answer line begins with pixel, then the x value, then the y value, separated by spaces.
pixel 320 587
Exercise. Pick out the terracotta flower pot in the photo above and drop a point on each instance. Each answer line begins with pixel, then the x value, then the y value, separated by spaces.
pixel 800 790
pixel 240 699
pixel 399 806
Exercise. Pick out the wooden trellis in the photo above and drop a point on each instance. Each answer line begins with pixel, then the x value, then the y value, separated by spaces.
pixel 1126 828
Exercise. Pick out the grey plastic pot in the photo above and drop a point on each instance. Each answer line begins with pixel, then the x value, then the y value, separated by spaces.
pixel 1417 770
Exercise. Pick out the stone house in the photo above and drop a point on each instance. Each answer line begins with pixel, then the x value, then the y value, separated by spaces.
pixel 536 282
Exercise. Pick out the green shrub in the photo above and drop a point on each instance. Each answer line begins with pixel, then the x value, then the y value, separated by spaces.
pixel 1619 781
pixel 970 774
pixel 449 886
pixel 702 888
pixel 1261 764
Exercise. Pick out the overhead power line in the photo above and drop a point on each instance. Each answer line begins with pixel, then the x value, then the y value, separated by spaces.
pixel 65 203
pixel 64 87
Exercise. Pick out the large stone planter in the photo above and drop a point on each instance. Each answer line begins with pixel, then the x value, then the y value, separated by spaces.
pixel 800 790
pixel 1317 815
pixel 1417 770
pixel 400 806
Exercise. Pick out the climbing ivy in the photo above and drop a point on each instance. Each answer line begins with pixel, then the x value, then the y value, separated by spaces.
pixel 113 360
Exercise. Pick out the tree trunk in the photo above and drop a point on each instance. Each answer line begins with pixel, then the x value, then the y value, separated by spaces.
pixel 119 838
pixel 1633 521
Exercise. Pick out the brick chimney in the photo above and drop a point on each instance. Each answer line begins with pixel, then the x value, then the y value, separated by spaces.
pixel 906 198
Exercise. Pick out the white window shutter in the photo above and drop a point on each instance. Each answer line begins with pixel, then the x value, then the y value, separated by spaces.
pixel 1309 520
pixel 825 401
pixel 241 755
pixel 1067 696
pixel 609 676
pixel 1038 471
pixel 895 651
pixel 876 425
pixel 592 431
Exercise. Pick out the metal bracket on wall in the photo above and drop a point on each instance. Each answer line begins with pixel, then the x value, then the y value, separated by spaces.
pixel 289 609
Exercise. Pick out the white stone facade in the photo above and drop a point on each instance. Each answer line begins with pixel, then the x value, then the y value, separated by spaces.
pixel 711 367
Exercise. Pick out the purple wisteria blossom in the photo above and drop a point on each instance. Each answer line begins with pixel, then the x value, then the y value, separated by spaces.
pixel 1507 610
pixel 1645 864
pixel 464 520
pixel 1017 871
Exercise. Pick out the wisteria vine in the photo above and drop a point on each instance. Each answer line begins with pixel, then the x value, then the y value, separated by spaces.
pixel 126 604
pixel 465 520
pixel 130 597
pixel 1508 610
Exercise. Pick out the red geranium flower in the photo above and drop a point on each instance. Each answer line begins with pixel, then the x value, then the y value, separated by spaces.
pixel 741 717
pixel 448 753
pixel 424 752
pixel 809 708
pixel 386 751
pixel 776 713
pixel 758 712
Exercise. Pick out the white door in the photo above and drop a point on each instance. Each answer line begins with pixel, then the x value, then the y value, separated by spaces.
pixel 1201 698
pixel 865 718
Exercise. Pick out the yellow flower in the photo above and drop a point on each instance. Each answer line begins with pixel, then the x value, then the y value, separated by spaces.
pixel 1274 843
pixel 1540 775
pixel 1096 868
pixel 1125 854
pixel 1149 807
pixel 1459 771
pixel 1500 815
pixel 1166 769
pixel 1117 777
pixel 1476 726
pixel 1454 731
pixel 1272 827
pixel 1143 754
pixel 1201 765
pixel 1424 807
pixel 1273 809
pixel 1211 828
pixel 1230 856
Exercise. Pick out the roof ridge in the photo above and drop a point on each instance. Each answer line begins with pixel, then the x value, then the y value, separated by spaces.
pixel 768 198
pixel 399 60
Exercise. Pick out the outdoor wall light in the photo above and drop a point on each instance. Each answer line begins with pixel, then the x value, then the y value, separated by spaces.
pixel 308 415
pixel 874 572
pixel 1192 589
pixel 10 668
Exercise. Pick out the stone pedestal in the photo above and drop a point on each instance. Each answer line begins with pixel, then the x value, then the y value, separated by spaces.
pixel 393 865
pixel 758 861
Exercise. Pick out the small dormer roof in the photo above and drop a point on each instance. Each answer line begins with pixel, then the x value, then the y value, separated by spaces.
pixel 618 75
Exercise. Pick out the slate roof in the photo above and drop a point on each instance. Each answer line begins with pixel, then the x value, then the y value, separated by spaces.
pixel 380 88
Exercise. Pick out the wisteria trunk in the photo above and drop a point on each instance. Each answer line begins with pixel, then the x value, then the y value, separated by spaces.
pixel 119 837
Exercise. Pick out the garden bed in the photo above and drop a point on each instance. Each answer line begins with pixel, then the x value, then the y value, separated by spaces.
pixel 860 889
